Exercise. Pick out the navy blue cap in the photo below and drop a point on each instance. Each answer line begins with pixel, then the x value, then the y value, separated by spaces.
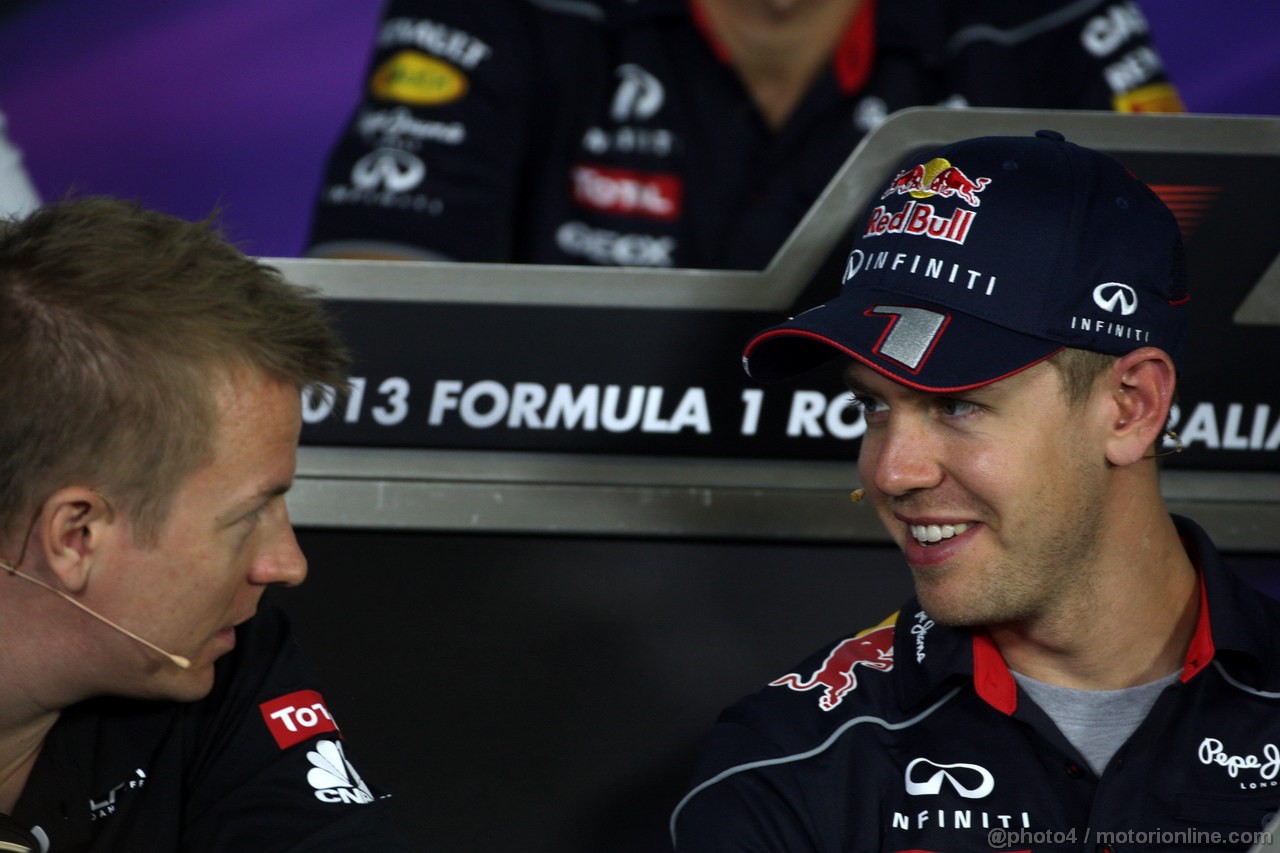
pixel 986 256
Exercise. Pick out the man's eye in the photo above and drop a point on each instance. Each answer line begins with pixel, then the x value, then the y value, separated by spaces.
pixel 959 408
pixel 868 405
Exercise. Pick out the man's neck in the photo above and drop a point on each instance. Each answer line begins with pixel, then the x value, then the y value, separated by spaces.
pixel 20 746
pixel 1130 622
pixel 778 47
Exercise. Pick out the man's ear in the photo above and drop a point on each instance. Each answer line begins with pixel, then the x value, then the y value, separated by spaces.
pixel 74 525
pixel 1140 388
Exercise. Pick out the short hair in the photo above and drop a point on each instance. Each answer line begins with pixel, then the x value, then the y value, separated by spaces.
pixel 1078 371
pixel 116 324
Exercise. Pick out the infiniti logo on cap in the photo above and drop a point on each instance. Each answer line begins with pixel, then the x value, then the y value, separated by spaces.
pixel 1113 295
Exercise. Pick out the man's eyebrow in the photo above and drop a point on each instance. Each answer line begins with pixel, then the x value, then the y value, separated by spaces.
pixel 276 490
pixel 853 384
pixel 257 499
pixel 856 388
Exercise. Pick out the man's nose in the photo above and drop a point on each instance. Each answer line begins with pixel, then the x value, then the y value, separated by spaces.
pixel 902 456
pixel 281 561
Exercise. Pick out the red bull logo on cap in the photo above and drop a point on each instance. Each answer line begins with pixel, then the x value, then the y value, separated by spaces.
pixel 872 648
pixel 926 180
pixel 937 177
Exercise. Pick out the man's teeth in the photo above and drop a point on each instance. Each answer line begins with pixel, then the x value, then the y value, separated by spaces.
pixel 927 533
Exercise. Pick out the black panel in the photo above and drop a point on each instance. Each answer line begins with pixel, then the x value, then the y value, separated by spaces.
pixel 548 694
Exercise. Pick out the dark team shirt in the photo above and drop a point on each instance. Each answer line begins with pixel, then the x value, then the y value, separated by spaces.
pixel 258 765
pixel 915 737
pixel 615 132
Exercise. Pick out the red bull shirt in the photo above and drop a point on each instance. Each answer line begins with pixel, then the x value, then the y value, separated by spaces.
pixel 616 133
pixel 913 736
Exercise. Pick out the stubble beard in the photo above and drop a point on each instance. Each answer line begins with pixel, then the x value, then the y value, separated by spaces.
pixel 1039 580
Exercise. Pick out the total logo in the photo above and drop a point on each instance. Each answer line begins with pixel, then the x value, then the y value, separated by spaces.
pixel 872 649
pixel 333 777
pixel 928 778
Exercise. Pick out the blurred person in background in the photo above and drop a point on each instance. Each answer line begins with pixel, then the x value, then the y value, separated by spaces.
pixel 677 133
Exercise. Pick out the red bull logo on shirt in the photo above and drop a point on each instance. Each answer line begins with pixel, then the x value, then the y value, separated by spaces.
pixel 872 648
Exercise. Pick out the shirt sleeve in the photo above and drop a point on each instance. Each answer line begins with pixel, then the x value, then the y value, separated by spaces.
pixel 1056 54
pixel 430 163
pixel 268 768
pixel 742 801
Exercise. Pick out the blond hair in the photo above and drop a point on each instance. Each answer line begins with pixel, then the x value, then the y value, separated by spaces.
pixel 115 323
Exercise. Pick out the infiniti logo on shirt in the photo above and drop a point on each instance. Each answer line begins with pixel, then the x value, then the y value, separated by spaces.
pixel 968 780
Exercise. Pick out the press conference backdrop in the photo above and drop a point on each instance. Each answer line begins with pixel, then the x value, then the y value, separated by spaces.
pixel 569 529
pixel 234 103
pixel 526 625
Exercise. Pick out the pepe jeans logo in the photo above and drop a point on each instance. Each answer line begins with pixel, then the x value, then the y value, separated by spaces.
pixel 1266 765
pixel 1112 296
pixel 925 783
pixel 918 630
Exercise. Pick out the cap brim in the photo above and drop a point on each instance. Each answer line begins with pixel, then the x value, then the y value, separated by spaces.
pixel 920 344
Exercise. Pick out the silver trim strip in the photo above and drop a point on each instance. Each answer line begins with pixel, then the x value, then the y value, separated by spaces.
pixel 1246 688
pixel 1017 35
pixel 787 759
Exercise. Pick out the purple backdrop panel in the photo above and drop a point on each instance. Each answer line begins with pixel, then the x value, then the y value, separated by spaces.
pixel 231 103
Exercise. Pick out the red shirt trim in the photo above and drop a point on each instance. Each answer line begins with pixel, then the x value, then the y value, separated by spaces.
pixel 991 676
pixel 1201 650
pixel 995 683
pixel 852 61
pixel 857 49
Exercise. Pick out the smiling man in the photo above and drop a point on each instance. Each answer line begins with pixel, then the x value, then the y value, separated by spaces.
pixel 150 379
pixel 1076 661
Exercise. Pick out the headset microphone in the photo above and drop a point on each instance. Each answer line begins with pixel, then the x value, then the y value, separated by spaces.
pixel 177 660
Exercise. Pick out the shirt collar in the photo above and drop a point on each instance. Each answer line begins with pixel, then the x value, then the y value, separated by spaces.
pixel 1237 627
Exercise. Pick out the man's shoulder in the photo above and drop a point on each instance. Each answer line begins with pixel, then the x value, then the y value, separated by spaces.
pixel 847 679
